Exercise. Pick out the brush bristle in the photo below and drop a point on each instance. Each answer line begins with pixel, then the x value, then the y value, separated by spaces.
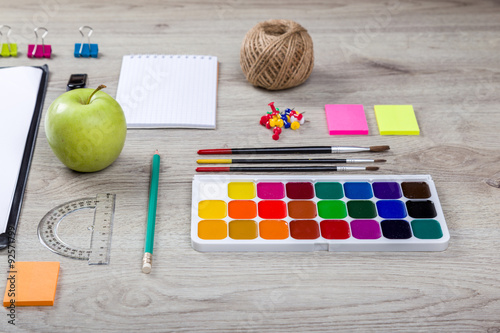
pixel 379 161
pixel 371 168
pixel 379 148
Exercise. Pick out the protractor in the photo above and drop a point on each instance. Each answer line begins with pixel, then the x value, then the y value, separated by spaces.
pixel 73 221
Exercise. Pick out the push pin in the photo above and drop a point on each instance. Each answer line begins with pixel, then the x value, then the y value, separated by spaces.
pixel 278 121
pixel 7 49
pixel 86 50
pixel 273 108
pixel 39 51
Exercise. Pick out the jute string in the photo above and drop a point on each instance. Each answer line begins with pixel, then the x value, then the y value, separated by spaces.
pixel 277 54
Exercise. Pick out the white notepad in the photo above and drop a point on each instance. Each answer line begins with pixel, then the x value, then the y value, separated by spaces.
pixel 160 91
pixel 18 95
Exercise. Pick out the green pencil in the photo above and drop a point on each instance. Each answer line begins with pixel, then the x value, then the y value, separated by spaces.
pixel 147 260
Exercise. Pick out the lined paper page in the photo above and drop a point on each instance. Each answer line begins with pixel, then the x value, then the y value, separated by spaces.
pixel 18 94
pixel 168 91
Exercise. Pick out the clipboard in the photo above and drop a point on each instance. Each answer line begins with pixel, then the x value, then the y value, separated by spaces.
pixel 29 148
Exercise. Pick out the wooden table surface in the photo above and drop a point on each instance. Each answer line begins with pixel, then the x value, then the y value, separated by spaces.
pixel 443 57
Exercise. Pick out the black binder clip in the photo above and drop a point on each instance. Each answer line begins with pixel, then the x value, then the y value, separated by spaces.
pixel 7 49
pixel 40 51
pixel 86 50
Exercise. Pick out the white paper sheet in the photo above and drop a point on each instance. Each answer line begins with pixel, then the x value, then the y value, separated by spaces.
pixel 18 94
pixel 168 91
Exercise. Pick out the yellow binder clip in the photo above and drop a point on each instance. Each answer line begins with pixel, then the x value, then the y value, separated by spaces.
pixel 7 49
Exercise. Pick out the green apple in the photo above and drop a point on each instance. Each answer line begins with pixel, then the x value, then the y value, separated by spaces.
pixel 86 129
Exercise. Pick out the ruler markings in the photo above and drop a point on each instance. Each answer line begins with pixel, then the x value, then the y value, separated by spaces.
pixel 99 251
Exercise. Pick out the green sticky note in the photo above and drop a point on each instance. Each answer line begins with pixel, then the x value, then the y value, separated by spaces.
pixel 396 120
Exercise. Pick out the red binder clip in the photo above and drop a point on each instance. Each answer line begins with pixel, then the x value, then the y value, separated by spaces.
pixel 39 51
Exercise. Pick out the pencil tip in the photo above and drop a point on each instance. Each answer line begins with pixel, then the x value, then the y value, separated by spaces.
pixel 156 151
pixel 379 148
pixel 379 161
pixel 371 168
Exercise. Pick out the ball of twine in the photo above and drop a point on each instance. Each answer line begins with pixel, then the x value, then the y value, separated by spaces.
pixel 277 54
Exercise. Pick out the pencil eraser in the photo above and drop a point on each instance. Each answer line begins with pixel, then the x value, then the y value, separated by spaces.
pixel 346 119
pixel 31 283
pixel 396 120
pixel 146 268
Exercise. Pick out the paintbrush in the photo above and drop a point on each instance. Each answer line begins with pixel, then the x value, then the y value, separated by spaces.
pixel 295 150
pixel 287 160
pixel 285 169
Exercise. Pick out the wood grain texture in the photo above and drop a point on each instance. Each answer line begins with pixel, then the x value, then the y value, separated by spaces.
pixel 440 56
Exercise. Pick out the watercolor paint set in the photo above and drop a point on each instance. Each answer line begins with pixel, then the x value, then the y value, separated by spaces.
pixel 313 213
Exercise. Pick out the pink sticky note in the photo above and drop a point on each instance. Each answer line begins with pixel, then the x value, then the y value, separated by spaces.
pixel 346 119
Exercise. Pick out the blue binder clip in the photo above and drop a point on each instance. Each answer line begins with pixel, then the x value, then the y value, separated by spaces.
pixel 86 50
pixel 7 49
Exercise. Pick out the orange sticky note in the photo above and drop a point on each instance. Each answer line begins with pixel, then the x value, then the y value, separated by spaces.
pixel 31 283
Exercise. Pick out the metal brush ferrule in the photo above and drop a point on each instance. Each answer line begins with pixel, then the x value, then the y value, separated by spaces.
pixel 338 149
pixel 358 160
pixel 350 168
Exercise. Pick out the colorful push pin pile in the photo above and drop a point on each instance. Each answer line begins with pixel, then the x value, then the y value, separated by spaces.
pixel 276 120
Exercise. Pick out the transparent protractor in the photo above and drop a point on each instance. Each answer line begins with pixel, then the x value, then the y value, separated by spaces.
pixel 49 228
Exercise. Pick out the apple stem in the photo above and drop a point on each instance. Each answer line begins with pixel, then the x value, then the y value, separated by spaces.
pixel 102 86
